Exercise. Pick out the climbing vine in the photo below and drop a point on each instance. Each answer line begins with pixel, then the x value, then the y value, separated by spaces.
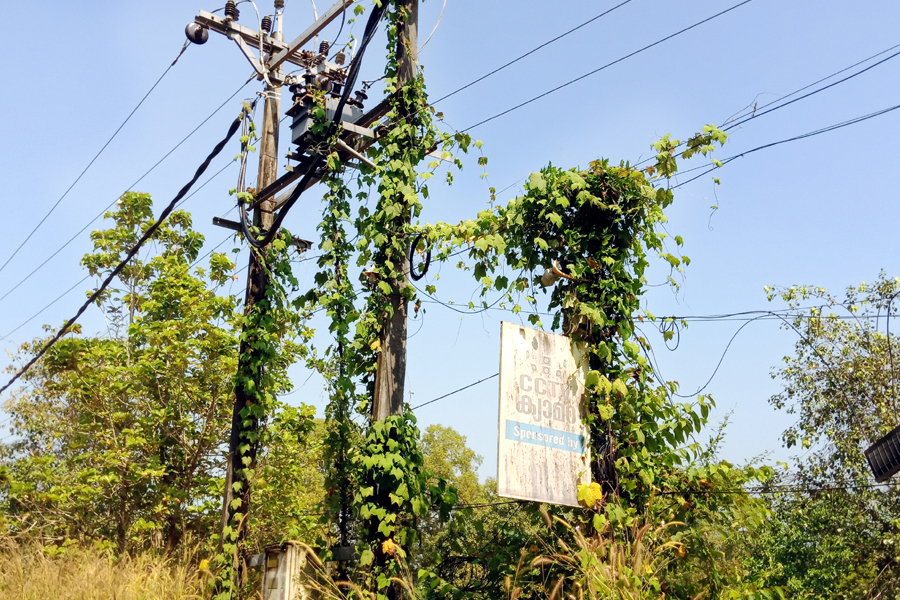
pixel 270 327
pixel 375 481
pixel 592 228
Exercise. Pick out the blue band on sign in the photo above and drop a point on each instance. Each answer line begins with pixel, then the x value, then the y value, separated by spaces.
pixel 544 436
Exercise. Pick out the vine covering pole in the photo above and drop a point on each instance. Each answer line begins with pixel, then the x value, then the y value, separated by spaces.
pixel 257 280
pixel 390 373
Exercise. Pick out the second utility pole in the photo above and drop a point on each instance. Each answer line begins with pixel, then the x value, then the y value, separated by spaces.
pixel 390 373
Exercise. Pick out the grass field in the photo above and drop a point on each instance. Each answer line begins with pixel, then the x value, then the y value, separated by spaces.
pixel 28 572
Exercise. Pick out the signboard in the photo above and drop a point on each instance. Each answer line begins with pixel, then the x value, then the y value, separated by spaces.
pixel 544 449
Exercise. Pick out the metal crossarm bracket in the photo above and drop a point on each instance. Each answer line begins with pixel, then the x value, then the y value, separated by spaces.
pixel 239 40
pixel 287 54
pixel 249 36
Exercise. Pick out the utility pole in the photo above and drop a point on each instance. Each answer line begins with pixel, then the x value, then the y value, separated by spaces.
pixel 273 53
pixel 257 280
pixel 390 373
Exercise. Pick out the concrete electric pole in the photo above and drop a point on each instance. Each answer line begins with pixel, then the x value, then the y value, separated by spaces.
pixel 390 374
pixel 268 66
pixel 263 217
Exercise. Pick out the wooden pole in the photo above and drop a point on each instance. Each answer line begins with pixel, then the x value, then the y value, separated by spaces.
pixel 390 374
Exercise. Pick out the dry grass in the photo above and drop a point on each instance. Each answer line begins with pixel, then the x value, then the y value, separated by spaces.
pixel 607 564
pixel 27 572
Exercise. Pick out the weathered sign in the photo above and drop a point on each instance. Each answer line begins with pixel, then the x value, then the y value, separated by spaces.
pixel 544 451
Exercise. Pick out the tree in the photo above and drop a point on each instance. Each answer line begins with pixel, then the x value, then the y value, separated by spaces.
pixel 448 457
pixel 291 484
pixel 842 541
pixel 120 436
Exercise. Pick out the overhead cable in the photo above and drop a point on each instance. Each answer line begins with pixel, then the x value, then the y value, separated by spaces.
pixel 96 156
pixel 847 123
pixel 780 489
pixel 453 392
pixel 597 70
pixel 758 113
pixel 48 305
pixel 139 179
pixel 82 280
pixel 530 52
pixel 755 112
pixel 134 250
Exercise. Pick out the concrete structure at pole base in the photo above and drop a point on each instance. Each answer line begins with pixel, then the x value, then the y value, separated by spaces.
pixel 290 573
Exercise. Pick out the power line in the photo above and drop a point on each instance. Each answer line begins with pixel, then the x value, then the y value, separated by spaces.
pixel 487 504
pixel 453 392
pixel 85 278
pixel 781 489
pixel 530 52
pixel 756 115
pixel 847 123
pixel 150 170
pixel 147 234
pixel 597 70
pixel 765 490
pixel 96 156
pixel 38 313
pixel 752 114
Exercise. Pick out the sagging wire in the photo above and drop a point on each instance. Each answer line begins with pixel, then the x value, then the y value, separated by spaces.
pixel 314 165
pixel 758 111
pixel 93 160
pixel 440 16
pixel 416 276
pixel 148 233
pixel 827 129
pixel 420 315
pixel 670 326
pixel 245 149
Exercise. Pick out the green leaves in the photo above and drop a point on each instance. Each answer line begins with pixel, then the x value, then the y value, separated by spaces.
pixel 536 182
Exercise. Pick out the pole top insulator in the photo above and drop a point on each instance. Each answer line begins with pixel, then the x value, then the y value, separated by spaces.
pixel 231 11
pixel 196 33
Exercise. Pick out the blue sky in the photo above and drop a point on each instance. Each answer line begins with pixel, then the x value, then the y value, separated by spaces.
pixel 820 211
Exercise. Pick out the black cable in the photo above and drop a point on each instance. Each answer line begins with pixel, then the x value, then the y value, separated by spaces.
pixel 38 313
pixel 147 235
pixel 667 326
pixel 416 276
pixel 530 52
pixel 806 87
pixel 754 113
pixel 459 310
pixel 853 121
pixel 96 156
pixel 316 161
pixel 718 365
pixel 341 29
pixel 450 394
pixel 141 178
pixel 597 70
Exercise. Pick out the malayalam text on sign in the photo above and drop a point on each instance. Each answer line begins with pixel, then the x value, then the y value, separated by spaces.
pixel 543 452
